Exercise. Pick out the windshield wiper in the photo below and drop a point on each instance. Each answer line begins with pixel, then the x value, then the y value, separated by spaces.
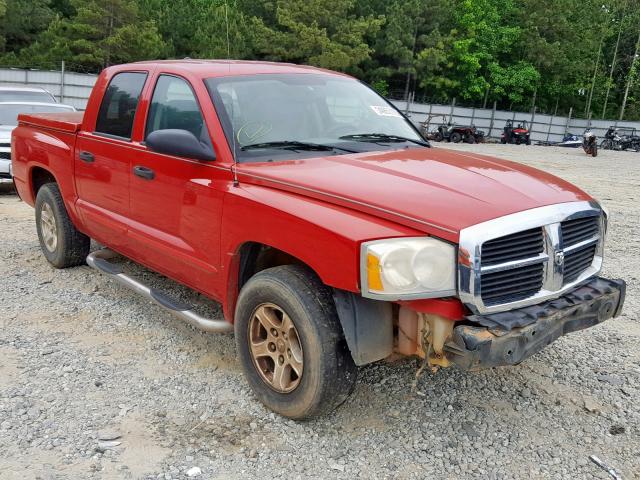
pixel 295 145
pixel 378 137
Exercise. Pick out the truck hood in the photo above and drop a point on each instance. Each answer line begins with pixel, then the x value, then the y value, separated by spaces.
pixel 434 190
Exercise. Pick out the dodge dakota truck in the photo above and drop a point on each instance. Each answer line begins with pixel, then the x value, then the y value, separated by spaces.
pixel 330 231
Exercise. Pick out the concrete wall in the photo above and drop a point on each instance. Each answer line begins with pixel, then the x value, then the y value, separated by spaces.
pixel 72 88
pixel 544 127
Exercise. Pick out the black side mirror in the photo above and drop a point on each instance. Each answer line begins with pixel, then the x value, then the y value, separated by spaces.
pixel 180 143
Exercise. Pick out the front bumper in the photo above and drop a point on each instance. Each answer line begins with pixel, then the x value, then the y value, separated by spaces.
pixel 508 338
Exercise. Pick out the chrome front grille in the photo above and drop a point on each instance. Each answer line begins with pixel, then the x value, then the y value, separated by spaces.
pixel 5 151
pixel 579 230
pixel 512 285
pixel 530 256
pixel 513 247
pixel 577 262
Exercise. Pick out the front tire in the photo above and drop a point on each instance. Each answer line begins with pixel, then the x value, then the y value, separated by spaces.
pixel 455 137
pixel 290 343
pixel 61 243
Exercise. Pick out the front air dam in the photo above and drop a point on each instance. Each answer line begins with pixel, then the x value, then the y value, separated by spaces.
pixel 508 338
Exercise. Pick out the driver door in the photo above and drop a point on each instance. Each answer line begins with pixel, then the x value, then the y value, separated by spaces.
pixel 176 203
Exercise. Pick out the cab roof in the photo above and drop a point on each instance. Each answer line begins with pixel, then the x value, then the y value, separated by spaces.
pixel 227 68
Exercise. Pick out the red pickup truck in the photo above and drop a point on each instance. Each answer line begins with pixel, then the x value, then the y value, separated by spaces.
pixel 328 228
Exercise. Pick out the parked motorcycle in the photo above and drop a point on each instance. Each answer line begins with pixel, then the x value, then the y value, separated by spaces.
pixel 621 139
pixel 590 143
pixel 610 139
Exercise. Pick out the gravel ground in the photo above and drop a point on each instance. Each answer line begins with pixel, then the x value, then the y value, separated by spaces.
pixel 97 383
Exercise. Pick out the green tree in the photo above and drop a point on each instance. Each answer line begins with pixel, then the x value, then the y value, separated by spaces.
pixel 21 21
pixel 325 33
pixel 476 56
pixel 226 33
pixel 100 33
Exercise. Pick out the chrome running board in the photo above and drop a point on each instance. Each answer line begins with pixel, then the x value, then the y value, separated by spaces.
pixel 100 261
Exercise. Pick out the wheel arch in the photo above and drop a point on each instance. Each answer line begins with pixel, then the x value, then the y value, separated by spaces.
pixel 39 176
pixel 366 324
pixel 250 258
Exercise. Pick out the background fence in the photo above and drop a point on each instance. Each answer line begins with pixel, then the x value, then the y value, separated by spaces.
pixel 550 128
pixel 68 87
pixel 74 89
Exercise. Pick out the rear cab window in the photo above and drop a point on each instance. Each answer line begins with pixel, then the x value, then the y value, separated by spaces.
pixel 119 104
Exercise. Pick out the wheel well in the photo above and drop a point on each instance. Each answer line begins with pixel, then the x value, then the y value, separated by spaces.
pixel 40 176
pixel 255 257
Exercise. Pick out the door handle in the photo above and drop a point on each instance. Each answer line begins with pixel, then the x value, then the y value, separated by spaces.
pixel 144 172
pixel 87 157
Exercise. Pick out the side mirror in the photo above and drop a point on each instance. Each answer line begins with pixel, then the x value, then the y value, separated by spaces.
pixel 179 143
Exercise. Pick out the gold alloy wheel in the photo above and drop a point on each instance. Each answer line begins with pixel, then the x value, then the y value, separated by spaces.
pixel 276 348
pixel 48 228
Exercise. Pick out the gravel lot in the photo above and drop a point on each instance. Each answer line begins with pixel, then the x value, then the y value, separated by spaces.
pixel 97 383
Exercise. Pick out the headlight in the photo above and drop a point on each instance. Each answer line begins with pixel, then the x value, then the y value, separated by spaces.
pixel 408 268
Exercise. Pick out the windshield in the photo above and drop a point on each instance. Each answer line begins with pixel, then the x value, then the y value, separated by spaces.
pixel 26 96
pixel 9 112
pixel 278 116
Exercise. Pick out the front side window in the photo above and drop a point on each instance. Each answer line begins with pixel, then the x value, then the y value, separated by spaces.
pixel 266 117
pixel 174 106
pixel 119 104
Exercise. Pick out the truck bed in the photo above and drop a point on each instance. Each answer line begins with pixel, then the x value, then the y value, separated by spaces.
pixel 65 121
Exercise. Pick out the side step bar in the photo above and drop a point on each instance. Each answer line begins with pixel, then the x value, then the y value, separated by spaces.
pixel 100 261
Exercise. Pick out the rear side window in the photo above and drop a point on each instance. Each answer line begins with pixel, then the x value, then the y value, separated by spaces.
pixel 118 107
pixel 174 105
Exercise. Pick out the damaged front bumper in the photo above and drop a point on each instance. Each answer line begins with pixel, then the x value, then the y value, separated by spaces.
pixel 508 338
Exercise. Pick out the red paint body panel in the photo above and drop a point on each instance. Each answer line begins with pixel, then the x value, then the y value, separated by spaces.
pixel 190 222
pixel 434 190
pixel 65 121
pixel 449 308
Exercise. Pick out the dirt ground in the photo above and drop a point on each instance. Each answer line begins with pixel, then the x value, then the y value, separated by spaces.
pixel 97 383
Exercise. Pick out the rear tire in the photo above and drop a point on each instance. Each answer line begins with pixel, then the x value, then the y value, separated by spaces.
pixel 438 137
pixel 594 150
pixel 469 139
pixel 61 243
pixel 455 137
pixel 282 297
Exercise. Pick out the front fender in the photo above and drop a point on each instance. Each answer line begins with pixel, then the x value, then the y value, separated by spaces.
pixel 325 237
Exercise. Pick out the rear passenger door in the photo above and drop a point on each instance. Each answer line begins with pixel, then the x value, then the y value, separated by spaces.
pixel 176 203
pixel 102 161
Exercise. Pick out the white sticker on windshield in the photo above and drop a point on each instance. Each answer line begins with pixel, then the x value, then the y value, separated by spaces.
pixel 385 111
